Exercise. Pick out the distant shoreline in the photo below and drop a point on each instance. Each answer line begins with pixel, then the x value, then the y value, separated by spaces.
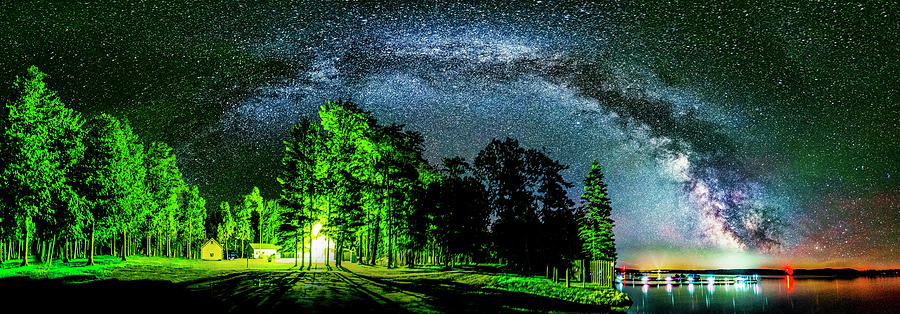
pixel 822 272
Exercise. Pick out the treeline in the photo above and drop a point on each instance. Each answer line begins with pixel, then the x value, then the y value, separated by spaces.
pixel 73 188
pixel 375 194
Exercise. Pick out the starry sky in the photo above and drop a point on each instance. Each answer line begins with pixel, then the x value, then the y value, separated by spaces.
pixel 730 135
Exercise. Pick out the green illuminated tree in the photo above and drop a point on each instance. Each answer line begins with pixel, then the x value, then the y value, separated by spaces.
pixel 194 220
pixel 164 183
pixel 104 176
pixel 226 227
pixel 298 185
pixel 137 207
pixel 243 228
pixel 596 229
pixel 348 152
pixel 38 148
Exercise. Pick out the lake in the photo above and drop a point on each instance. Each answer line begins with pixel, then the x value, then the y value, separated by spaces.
pixel 772 294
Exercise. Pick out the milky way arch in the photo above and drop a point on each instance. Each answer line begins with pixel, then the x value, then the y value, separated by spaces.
pixel 672 162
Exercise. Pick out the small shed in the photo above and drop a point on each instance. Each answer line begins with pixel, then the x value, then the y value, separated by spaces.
pixel 264 250
pixel 211 250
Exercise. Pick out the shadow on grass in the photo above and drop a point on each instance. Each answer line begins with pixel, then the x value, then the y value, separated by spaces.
pixel 103 296
pixel 269 291
pixel 446 295
pixel 278 291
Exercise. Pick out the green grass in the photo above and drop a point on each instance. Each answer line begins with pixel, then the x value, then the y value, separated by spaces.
pixel 545 287
pixel 74 268
pixel 180 270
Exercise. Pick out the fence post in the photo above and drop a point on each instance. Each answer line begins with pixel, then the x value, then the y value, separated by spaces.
pixel 567 278
pixel 583 275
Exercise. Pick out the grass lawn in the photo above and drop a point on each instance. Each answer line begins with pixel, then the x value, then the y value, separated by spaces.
pixel 257 285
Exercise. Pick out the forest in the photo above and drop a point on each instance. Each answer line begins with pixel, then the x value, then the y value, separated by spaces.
pixel 75 187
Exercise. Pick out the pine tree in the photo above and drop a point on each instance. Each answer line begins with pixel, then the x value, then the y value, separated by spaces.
pixel 243 227
pixel 164 183
pixel 104 177
pixel 137 198
pixel 596 229
pixel 226 226
pixel 194 218
pixel 298 184
pixel 39 145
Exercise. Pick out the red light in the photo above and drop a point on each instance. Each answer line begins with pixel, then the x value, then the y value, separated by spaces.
pixel 789 271
pixel 789 282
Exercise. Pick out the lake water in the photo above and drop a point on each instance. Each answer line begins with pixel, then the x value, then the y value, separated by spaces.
pixel 774 294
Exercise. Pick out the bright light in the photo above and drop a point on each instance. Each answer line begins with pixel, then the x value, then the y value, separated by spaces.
pixel 711 279
pixel 319 243
pixel 669 288
pixel 691 288
pixel 668 279
pixel 645 279
pixel 316 229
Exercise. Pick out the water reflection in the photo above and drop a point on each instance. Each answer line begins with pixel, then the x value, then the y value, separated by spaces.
pixel 781 294
pixel 789 283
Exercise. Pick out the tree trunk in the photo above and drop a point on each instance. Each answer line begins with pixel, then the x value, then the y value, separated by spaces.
pixel 124 244
pixel 90 251
pixel 374 248
pixel 339 246
pixel 310 247
pixel 327 250
pixel 25 248
pixel 297 251
pixel 300 247
pixel 52 246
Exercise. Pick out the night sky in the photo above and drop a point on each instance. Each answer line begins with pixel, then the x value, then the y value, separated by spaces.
pixel 730 136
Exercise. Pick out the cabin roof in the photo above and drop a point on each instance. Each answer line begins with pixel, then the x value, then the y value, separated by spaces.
pixel 212 242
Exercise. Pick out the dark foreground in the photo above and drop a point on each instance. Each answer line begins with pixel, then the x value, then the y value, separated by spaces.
pixel 358 289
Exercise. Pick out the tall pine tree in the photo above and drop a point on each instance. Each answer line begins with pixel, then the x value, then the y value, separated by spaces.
pixel 104 177
pixel 298 185
pixel 38 147
pixel 596 229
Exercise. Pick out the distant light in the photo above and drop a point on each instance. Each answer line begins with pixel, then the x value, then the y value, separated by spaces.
pixel 645 279
pixel 316 228
pixel 668 279
pixel 711 279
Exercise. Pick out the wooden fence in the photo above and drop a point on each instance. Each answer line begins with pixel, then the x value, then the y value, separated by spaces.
pixel 602 273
